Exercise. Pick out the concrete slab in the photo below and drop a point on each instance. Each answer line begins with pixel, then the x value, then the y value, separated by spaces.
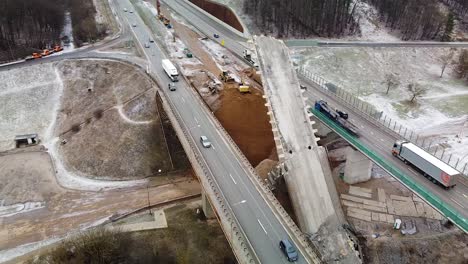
pixel 375 217
pixel 359 216
pixel 159 222
pixel 381 195
pixel 401 198
pixel 361 200
pixel 383 217
pixel 359 211
pixel 358 192
pixel 405 208
pixel 429 211
pixel 417 199
pixel 390 219
pixel 361 189
pixel 390 208
pixel 420 209
pixel 364 206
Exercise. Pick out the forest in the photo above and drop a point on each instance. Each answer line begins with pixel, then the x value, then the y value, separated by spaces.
pixel 302 18
pixel 415 19
pixel 27 26
pixel 411 19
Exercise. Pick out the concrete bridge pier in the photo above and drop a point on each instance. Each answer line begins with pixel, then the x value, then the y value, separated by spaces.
pixel 206 206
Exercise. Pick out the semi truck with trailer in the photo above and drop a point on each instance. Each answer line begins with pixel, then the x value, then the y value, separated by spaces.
pixel 170 70
pixel 337 117
pixel 431 167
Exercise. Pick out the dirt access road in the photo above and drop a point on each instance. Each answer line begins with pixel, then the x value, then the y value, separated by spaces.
pixel 65 211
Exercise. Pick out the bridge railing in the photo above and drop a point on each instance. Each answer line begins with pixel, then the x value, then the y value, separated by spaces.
pixel 424 193
pixel 237 237
pixel 369 112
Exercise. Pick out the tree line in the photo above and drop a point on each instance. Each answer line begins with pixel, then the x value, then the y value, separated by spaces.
pixel 301 18
pixel 27 26
pixel 415 19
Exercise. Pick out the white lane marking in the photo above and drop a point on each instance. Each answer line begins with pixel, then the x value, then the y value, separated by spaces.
pixel 459 204
pixel 262 226
pixel 213 147
pixel 183 100
pixel 232 178
pixel 464 195
pixel 196 120
pixel 415 173
pixel 372 133
pixel 382 140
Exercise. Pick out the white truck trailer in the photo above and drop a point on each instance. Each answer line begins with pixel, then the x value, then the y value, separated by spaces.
pixel 170 70
pixel 431 167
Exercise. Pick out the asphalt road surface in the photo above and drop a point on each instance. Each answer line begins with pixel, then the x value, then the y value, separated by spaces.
pixel 380 141
pixel 263 229
pixel 375 137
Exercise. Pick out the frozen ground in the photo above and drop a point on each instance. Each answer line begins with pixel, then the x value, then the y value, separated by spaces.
pixel 440 114
pixel 26 99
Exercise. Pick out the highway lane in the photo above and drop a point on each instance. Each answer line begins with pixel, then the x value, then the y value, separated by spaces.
pixel 380 141
pixel 261 226
pixel 304 43
pixel 377 137
pixel 205 25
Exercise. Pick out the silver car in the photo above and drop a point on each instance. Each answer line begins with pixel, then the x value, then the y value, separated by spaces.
pixel 205 142
pixel 147 45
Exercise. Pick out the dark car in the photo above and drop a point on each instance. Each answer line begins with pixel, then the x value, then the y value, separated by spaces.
pixel 288 250
pixel 342 114
pixel 216 35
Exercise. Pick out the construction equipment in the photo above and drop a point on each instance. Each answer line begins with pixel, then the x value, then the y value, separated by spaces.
pixel 45 52
pixel 188 53
pixel 58 48
pixel 431 167
pixel 226 77
pixel 36 55
pixel 163 19
pixel 248 57
pixel 323 107
pixel 244 87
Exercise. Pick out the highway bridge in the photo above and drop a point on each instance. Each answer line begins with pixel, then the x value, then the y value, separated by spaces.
pixel 252 219
pixel 452 204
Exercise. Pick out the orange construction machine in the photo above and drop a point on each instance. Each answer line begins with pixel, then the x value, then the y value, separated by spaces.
pixel 46 52
pixel 58 48
pixel 36 55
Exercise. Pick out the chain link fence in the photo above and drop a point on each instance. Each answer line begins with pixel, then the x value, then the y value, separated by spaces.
pixel 369 112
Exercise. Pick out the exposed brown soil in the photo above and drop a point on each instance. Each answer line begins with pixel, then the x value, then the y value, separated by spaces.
pixel 244 116
pixel 31 177
pixel 221 12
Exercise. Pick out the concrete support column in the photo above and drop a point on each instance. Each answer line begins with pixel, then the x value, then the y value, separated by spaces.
pixel 206 206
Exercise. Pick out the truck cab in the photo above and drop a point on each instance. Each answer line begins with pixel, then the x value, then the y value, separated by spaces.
pixel 397 148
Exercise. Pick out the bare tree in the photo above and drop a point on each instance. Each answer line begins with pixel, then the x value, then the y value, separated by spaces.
pixel 391 80
pixel 446 60
pixel 416 90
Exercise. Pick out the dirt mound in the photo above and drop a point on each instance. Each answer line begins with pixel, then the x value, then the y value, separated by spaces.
pixel 264 167
pixel 244 116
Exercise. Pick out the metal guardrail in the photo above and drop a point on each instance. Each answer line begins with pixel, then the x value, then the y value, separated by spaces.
pixel 264 190
pixel 425 194
pixel 368 111
pixel 222 207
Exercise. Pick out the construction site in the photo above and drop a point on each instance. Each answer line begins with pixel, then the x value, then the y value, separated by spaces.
pixel 87 142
